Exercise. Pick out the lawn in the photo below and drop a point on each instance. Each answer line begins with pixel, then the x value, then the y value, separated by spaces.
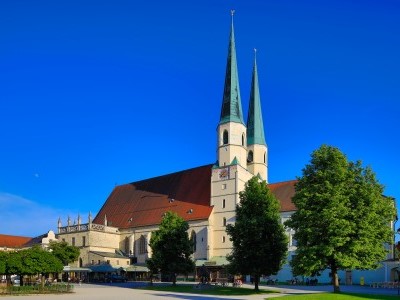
pixel 207 290
pixel 332 296
pixel 234 291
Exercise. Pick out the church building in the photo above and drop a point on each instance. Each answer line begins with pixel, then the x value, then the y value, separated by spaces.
pixel 205 196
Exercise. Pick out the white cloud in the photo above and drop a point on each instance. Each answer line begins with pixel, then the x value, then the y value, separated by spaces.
pixel 21 216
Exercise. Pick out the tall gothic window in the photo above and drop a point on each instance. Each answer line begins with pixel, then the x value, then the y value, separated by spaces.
pixel 142 245
pixel 225 139
pixel 193 238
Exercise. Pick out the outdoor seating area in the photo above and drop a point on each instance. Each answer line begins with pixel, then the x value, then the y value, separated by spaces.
pixel 221 281
pixel 388 284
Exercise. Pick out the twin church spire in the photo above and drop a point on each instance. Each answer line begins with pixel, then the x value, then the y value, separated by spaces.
pixel 239 143
pixel 255 126
pixel 231 110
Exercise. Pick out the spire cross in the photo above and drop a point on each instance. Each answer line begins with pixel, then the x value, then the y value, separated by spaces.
pixel 232 12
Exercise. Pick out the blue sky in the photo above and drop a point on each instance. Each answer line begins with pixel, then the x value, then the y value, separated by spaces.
pixel 99 93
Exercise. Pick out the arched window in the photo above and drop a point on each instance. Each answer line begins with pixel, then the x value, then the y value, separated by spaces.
pixel 224 222
pixel 225 139
pixel 193 238
pixel 142 245
pixel 250 156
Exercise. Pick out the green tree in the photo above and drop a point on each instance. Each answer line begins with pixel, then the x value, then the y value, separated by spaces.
pixel 64 252
pixel 258 236
pixel 32 261
pixel 3 262
pixel 342 220
pixel 37 260
pixel 171 247
pixel 13 265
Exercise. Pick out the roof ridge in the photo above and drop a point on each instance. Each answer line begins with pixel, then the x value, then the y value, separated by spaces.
pixel 168 174
pixel 285 181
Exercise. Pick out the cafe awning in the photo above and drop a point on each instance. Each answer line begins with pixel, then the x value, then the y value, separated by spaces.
pixel 76 269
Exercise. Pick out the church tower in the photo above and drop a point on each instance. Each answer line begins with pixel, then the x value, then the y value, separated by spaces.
pixel 231 128
pixel 257 151
pixel 229 174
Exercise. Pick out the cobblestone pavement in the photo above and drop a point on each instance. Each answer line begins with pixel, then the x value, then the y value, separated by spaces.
pixel 122 291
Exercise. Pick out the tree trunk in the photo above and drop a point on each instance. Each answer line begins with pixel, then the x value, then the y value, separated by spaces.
pixel 256 281
pixel 335 280
pixel 174 279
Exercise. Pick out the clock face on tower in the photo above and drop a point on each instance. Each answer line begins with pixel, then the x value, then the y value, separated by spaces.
pixel 224 173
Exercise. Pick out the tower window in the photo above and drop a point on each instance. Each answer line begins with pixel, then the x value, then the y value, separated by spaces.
pixel 265 157
pixel 224 222
pixel 250 156
pixel 225 138
pixel 223 203
pixel 243 139
pixel 223 239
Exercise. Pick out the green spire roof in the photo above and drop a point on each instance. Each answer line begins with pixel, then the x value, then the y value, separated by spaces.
pixel 231 110
pixel 255 127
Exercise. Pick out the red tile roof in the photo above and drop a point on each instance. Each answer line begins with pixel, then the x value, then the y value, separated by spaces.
pixel 284 192
pixel 187 193
pixel 12 241
pixel 144 202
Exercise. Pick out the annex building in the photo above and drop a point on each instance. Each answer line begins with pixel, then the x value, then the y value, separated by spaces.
pixel 205 196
